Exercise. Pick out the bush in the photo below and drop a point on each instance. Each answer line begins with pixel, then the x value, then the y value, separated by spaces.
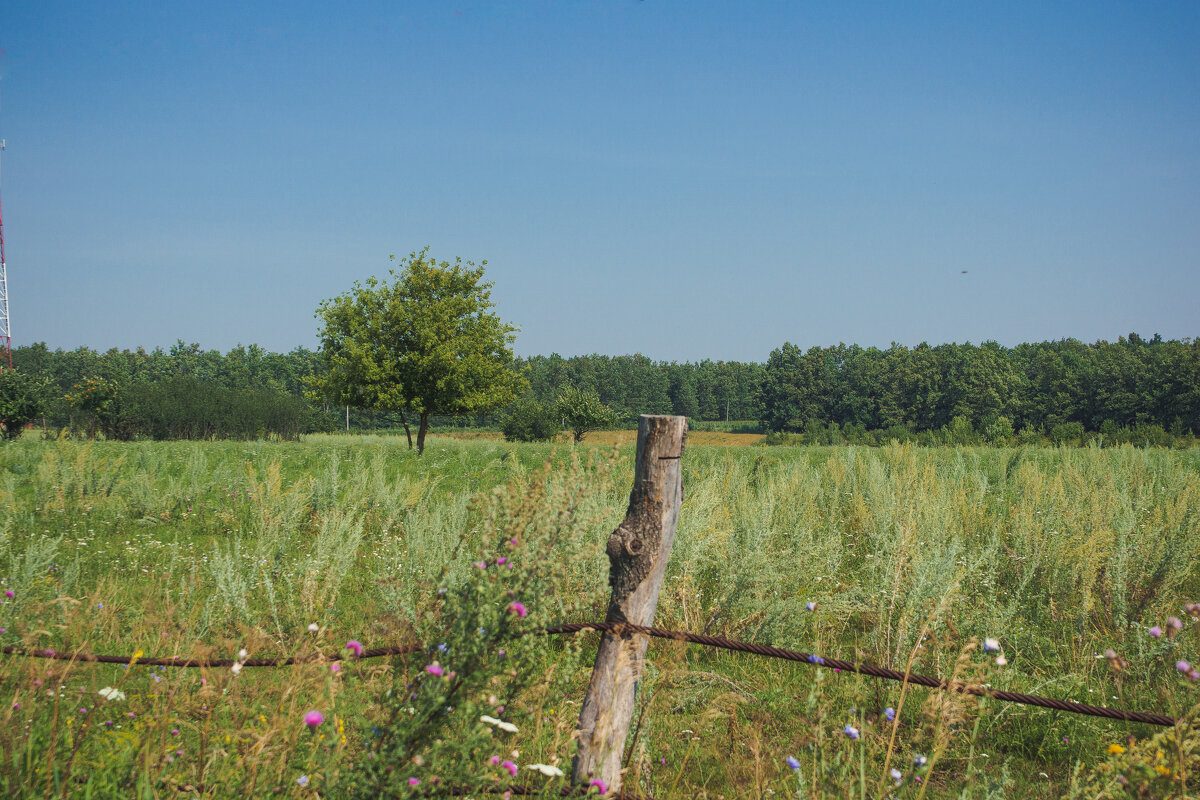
pixel 530 421
pixel 22 400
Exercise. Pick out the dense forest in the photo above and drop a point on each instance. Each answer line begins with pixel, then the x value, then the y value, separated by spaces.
pixel 1056 389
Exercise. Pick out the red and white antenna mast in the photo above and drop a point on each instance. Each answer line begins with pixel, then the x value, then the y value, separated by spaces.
pixel 5 329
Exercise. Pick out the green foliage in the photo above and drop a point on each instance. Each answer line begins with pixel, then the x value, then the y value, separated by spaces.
pixel 187 408
pixel 426 342
pixel 22 400
pixel 527 420
pixel 582 411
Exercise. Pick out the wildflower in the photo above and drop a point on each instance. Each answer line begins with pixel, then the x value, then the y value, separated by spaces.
pixel 414 781
pixel 889 714
pixel 481 564
pixel 236 668
pixel 434 669
pixel 815 659
pixel 510 766
pixel 501 724
pixel 302 780
pixel 1115 749
pixel 1183 667
pixel 355 647
pixel 1174 626
pixel 111 694
pixel 335 667
pixel 546 769
pixel 793 763
pixel 897 775
pixel 810 606
pixel 1156 632
pixel 494 761
pixel 9 593
pixel 919 760
pixel 313 627
pixel 242 654
pixel 443 647
pixel 501 561
pixel 518 608
pixel 1193 676
pixel 850 731
pixel 1001 660
pixel 16 706
pixel 108 723
pixel 313 718
pixel 600 785
pixel 990 645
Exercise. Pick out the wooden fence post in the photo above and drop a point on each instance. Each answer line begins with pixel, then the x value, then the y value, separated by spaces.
pixel 637 553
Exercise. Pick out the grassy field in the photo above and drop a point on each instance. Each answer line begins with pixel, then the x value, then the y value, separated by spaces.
pixel 911 556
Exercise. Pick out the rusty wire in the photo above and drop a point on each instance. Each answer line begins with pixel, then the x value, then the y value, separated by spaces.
pixel 628 629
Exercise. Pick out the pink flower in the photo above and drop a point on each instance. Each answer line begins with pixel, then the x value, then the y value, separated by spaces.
pixel 518 608
pixel 414 781
pixel 313 718
pixel 1155 631
pixel 494 760
pixel 355 646
pixel 9 593
pixel 434 669
pixel 510 766
pixel 500 561
pixel 599 784
pixel 481 564
pixel 335 667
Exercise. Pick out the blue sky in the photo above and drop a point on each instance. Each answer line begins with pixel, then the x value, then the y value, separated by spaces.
pixel 683 179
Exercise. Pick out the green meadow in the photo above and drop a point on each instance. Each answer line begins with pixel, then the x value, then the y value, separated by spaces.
pixel 912 556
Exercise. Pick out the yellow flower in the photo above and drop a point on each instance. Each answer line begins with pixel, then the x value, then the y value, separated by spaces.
pixel 1115 749
pixel 1161 770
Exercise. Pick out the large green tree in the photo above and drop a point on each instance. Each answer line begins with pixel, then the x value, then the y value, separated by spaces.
pixel 426 342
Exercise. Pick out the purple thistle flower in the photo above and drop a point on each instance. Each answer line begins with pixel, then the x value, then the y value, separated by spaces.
pixel 501 561
pixel 434 669
pixel 518 608
pixel 600 785
pixel 313 718
pixel 1183 666
pixel 1155 631
pixel 510 766
pixel 356 647
pixel 9 593
pixel 414 781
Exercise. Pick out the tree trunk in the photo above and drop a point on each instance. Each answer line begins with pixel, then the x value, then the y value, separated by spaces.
pixel 407 432
pixel 637 554
pixel 421 432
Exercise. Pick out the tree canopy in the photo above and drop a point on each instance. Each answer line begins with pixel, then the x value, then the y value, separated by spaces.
pixel 423 343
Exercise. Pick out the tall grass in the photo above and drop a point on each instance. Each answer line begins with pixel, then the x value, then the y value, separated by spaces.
pixel 911 556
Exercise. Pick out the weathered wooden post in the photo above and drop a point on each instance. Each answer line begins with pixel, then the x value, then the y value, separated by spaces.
pixel 637 553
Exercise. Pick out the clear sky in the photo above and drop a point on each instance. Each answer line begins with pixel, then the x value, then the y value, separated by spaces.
pixel 688 180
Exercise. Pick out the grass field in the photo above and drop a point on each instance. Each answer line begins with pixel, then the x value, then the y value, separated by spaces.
pixel 911 556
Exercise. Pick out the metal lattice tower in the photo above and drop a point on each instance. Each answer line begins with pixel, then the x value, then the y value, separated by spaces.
pixel 5 329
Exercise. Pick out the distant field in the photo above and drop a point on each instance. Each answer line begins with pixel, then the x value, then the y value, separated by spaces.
pixel 695 437
pixel 907 553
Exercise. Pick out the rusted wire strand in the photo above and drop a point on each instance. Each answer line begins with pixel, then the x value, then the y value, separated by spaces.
pixel 623 628
pixel 628 629
pixel 197 661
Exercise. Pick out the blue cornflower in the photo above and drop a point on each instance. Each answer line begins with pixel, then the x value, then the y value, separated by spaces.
pixel 810 606
pixel 850 731
pixel 889 713
pixel 793 763
pixel 815 659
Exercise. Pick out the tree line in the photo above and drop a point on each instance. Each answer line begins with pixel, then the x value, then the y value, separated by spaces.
pixel 1059 389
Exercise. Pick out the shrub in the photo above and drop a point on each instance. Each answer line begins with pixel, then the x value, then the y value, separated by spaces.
pixel 530 421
